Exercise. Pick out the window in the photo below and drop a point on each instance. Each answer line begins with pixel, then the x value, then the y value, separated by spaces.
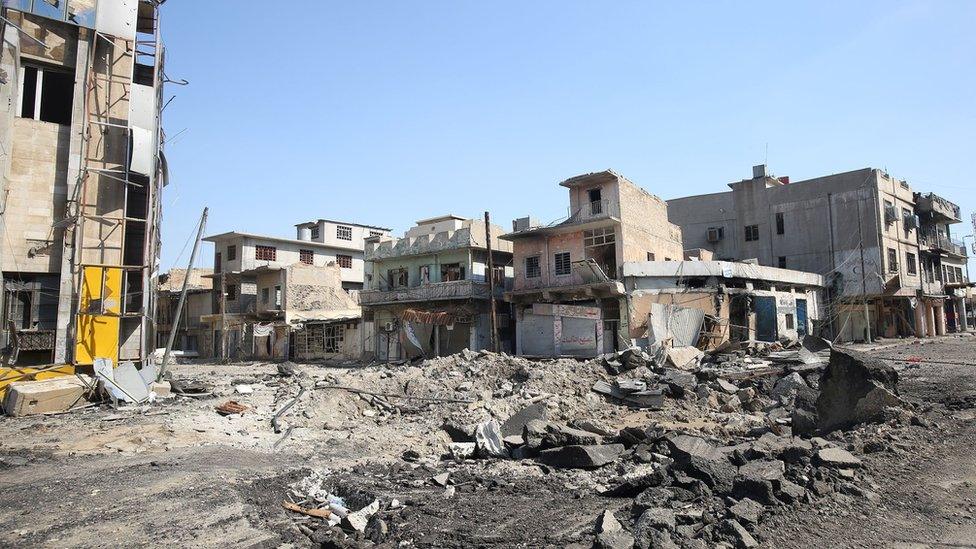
pixel 344 261
pixel 343 232
pixel 782 262
pixel 892 260
pixel 532 267
pixel 397 277
pixel 265 295
pixel 231 292
pixel 217 265
pixel 910 264
pixel 306 256
pixel 959 274
pixel 789 322
pixel 498 275
pixel 650 256
pixel 315 232
pixel 265 253
pixel 425 274
pixel 231 253
pixel 451 272
pixel 375 233
pixel 752 233
pixel 562 263
pixel 333 337
pixel 595 198
pixel 780 225
pixel 46 95
pixel 715 234
pixel 277 299
pixel 598 237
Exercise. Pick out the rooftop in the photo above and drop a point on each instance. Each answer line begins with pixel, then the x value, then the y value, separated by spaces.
pixel 342 223
pixel 311 243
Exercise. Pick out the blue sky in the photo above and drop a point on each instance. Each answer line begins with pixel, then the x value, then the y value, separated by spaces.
pixel 388 112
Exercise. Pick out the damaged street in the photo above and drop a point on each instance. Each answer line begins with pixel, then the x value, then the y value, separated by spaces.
pixel 482 449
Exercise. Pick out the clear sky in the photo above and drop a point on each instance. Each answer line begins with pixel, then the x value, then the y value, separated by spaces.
pixel 388 112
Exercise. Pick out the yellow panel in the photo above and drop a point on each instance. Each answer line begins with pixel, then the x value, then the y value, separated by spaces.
pixel 13 373
pixel 98 334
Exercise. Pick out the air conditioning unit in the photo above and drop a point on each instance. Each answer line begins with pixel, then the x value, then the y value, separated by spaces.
pixel 714 234
pixel 890 214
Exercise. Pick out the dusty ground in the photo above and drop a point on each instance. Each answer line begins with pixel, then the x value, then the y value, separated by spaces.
pixel 178 473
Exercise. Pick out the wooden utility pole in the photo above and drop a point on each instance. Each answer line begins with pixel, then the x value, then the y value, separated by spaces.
pixel 175 318
pixel 491 285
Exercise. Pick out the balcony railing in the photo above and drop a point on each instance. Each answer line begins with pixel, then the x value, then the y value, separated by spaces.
pixel 599 209
pixel 457 289
pixel 939 241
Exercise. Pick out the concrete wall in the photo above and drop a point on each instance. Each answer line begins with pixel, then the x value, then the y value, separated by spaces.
pixel 645 227
pixel 546 246
pixel 559 330
pixel 287 253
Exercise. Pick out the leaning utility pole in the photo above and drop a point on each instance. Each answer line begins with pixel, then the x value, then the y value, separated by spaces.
pixel 864 283
pixel 491 285
pixel 175 321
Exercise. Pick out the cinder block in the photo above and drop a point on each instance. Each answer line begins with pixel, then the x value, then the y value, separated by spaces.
pixel 25 398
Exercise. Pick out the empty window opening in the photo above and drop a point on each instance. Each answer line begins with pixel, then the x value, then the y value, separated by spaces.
pixel 910 264
pixel 344 261
pixel 782 262
pixel 780 225
pixel 333 338
pixel 315 232
pixel 397 277
pixel 46 95
pixel 375 233
pixel 562 263
pixel 265 295
pixel 231 292
pixel 265 253
pixel 143 74
pixel 137 197
pixel 752 233
pixel 650 256
pixel 451 272
pixel 217 262
pixel 715 234
pixel 134 243
pixel 595 198
pixel 789 321
pixel 424 274
pixel 231 252
pixel 306 256
pixel 533 268
pixel 343 232
pixel 892 260
pixel 600 246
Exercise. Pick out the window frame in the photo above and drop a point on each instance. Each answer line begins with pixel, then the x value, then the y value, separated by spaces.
pixel 344 261
pixel 265 253
pixel 562 264
pixel 892 260
pixel 344 232
pixel 780 223
pixel 232 252
pixel 533 269
pixel 306 256
pixel 752 233
pixel 911 263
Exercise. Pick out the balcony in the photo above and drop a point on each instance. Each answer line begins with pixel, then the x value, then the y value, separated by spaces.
pixel 600 209
pixel 935 207
pixel 437 291
pixel 935 240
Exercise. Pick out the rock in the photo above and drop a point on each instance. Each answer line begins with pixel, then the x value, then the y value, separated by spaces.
pixel 725 386
pixel 462 450
pixel 557 435
pixel 636 481
pixel 739 535
pixel 515 424
pixel 701 460
pixel 591 426
pixel 651 538
pixel 488 440
pixel 789 492
pixel 679 382
pixel 683 358
pixel 533 433
pixel 459 432
pixel 787 387
pixel 610 534
pixel 581 457
pixel 855 388
pixel 747 510
pixel 359 519
pixel 771 469
pixel 659 518
pixel 836 457
pixel 755 488
pixel 655 496
pixel 441 479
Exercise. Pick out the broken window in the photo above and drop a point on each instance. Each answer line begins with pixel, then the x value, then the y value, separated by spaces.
pixel 599 245
pixel 277 297
pixel 562 263
pixel 650 256
pixel 892 260
pixel 397 277
pixel 451 272
pixel 46 95
pixel 344 261
pixel 752 233
pixel 789 321
pixel 265 253
pixel 333 338
pixel 343 232
pixel 910 263
pixel 19 308
pixel 780 225
pixel 533 268
pixel 498 275
pixel 231 253
pixel 231 292
pixel 598 237
pixel 782 262
pixel 306 256
pixel 596 205
pixel 315 232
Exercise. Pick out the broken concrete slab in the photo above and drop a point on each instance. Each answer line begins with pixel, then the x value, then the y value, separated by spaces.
pixel 836 457
pixel 679 382
pixel 610 534
pixel 855 388
pixel 683 358
pixel 747 510
pixel 515 424
pixel 738 534
pixel 787 387
pixel 765 469
pixel 488 440
pixel 650 398
pixel 581 457
pixel 703 461
pixel 47 395
pixel 660 518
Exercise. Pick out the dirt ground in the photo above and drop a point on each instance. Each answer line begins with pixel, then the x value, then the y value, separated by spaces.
pixel 179 474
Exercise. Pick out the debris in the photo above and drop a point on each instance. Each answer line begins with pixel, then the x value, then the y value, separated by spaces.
pixel 243 389
pixel 649 398
pixel 515 424
pixel 836 457
pixel 786 388
pixel 747 510
pixel 684 358
pixel 488 440
pixel 441 479
pixel 610 533
pixel 48 395
pixel 739 535
pixel 359 519
pixel 286 368
pixel 581 457
pixel 855 388
pixel 626 360
pixel 231 407
pixel 462 450
pixel 702 461
pixel 320 513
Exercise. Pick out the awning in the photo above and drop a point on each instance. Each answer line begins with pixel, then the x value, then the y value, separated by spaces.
pixel 427 317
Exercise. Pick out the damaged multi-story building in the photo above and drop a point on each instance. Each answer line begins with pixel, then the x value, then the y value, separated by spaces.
pixel 82 170
pixel 567 289
pixel 272 292
pixel 857 229
pixel 944 264
pixel 428 293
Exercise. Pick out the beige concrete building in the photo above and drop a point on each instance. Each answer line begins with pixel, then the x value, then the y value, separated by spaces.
pixel 858 229
pixel 567 290
pixel 428 293
pixel 946 287
pixel 194 336
pixel 81 170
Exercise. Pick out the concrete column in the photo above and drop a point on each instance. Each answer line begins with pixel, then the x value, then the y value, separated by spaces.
pixel 961 321
pixel 920 328
pixel 940 321
pixel 929 319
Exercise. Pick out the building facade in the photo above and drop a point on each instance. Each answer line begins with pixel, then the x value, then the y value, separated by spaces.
pixel 567 290
pixel 346 240
pixel 428 293
pixel 82 171
pixel 858 229
pixel 944 264
pixel 194 336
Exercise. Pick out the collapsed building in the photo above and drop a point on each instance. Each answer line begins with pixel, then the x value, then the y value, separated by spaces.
pixel 858 229
pixel 428 293
pixel 81 171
